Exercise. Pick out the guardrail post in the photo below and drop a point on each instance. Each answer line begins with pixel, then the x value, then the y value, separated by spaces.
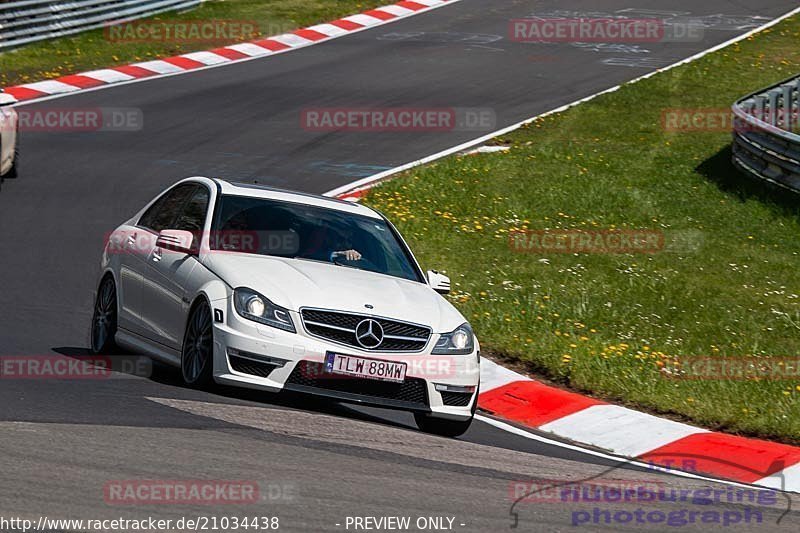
pixel 788 107
pixel 772 116
pixel 759 107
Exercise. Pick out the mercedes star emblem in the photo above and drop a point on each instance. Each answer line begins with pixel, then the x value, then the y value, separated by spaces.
pixel 369 333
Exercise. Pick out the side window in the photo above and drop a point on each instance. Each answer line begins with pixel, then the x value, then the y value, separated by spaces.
pixel 193 216
pixel 164 212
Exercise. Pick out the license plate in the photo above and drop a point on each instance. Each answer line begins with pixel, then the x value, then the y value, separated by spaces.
pixel 363 367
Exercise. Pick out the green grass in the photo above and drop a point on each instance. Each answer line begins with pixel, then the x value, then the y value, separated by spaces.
pixel 727 283
pixel 89 50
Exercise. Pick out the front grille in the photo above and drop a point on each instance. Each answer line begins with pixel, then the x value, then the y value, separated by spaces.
pixel 340 328
pixel 248 366
pixel 310 376
pixel 456 399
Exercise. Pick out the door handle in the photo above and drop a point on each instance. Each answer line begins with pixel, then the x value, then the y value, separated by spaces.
pixel 157 255
pixel 132 239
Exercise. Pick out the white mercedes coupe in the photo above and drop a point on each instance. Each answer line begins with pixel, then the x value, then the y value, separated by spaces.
pixel 250 286
pixel 9 148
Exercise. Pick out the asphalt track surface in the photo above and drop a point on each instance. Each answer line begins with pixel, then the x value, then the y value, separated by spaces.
pixel 62 441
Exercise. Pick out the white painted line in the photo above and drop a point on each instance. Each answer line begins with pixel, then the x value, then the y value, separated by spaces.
pixel 463 146
pixel 290 39
pixel 618 429
pixel 494 376
pixel 250 49
pixel 398 11
pixel 788 479
pixel 594 453
pixel 206 58
pixel 51 87
pixel 160 67
pixel 364 20
pixel 489 150
pixel 328 29
pixel 430 3
pixel 107 75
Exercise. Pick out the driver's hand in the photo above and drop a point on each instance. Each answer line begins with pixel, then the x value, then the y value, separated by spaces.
pixel 350 255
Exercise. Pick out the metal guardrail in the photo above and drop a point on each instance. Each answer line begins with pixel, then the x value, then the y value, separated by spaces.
pixel 766 143
pixel 26 21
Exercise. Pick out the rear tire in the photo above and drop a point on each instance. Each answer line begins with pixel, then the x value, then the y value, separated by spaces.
pixel 442 426
pixel 104 318
pixel 12 173
pixel 197 356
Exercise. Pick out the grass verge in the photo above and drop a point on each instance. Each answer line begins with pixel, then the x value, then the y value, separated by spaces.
pixel 94 49
pixel 726 283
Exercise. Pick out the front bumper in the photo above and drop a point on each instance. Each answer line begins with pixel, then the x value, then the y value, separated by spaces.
pixel 248 354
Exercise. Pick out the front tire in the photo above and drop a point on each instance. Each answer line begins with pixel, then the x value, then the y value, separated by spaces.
pixel 197 356
pixel 104 319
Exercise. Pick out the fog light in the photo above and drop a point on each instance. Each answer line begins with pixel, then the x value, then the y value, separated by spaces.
pixel 441 387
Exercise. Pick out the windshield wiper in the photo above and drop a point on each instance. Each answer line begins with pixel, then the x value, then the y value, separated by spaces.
pixel 309 259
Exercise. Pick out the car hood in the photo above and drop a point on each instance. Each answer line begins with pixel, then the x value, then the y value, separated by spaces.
pixel 296 283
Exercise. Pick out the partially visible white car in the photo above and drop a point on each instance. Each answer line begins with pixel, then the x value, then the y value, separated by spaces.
pixel 9 147
pixel 274 290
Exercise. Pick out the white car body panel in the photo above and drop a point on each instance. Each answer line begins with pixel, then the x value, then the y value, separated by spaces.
pixel 8 133
pixel 157 288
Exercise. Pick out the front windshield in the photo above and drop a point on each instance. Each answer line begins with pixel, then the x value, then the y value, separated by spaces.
pixel 285 229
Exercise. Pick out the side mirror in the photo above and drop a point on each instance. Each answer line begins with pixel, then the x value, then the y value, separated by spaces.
pixel 176 240
pixel 438 282
pixel 7 99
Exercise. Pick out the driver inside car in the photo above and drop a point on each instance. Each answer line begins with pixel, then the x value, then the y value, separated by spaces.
pixel 343 248
pixel 347 255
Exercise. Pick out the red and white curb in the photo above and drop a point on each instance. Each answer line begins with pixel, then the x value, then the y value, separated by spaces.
pixel 636 435
pixel 171 66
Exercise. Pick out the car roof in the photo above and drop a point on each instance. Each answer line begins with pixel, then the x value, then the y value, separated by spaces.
pixel 256 190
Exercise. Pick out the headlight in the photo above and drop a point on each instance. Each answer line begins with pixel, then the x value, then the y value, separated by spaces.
pixel 253 306
pixel 461 341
